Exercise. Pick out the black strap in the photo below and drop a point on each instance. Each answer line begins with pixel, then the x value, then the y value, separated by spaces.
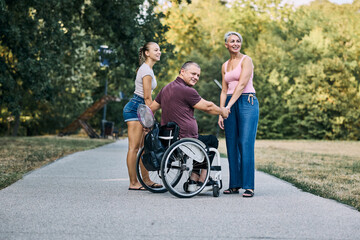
pixel 215 168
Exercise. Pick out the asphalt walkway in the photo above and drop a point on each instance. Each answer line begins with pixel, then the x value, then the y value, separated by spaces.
pixel 85 196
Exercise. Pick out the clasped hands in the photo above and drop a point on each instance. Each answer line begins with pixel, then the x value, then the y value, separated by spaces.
pixel 225 112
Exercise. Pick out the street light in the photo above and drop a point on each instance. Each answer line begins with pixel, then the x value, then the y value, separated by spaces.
pixel 104 54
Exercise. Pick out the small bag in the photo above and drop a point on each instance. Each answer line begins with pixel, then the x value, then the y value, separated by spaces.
pixel 153 150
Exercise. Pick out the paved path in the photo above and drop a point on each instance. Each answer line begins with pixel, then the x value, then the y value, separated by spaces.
pixel 85 196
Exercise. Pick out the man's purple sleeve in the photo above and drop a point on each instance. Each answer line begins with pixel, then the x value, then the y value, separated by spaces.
pixel 158 97
pixel 193 97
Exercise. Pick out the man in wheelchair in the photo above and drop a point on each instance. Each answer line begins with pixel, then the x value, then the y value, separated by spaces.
pixel 178 100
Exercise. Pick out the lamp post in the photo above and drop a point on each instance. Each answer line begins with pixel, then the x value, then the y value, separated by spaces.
pixel 104 53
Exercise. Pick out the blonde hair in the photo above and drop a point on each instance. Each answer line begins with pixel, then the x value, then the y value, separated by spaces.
pixel 142 50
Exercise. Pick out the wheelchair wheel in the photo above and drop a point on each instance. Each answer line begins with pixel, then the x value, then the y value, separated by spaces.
pixel 216 190
pixel 154 176
pixel 180 159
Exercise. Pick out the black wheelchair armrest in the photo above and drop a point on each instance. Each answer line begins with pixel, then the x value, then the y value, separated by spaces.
pixel 170 129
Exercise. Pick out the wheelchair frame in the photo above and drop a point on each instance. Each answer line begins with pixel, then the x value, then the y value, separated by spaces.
pixel 179 160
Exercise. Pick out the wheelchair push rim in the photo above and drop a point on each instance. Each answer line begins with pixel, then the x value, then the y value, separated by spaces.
pixel 179 160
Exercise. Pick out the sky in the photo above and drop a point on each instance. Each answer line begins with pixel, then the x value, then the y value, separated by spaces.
pixel 300 2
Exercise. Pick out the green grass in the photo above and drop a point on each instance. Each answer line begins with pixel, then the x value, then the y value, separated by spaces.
pixel 328 169
pixel 23 154
pixel 329 176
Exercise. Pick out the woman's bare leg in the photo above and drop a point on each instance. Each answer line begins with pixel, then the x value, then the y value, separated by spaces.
pixel 145 173
pixel 135 133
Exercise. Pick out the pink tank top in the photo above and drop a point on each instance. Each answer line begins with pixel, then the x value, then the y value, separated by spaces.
pixel 232 78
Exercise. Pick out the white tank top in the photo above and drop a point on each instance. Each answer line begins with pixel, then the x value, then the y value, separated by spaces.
pixel 143 71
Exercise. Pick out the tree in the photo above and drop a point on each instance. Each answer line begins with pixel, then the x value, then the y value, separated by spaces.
pixel 34 35
pixel 49 62
pixel 306 61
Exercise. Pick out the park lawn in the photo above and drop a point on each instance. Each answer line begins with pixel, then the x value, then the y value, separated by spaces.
pixel 19 155
pixel 330 169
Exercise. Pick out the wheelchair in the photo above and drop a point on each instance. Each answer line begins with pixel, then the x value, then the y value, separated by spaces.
pixel 181 158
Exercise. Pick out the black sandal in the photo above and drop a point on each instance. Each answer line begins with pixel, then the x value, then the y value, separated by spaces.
pixel 156 185
pixel 231 191
pixel 248 193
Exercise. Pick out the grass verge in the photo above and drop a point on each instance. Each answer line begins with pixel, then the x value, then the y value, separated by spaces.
pixel 330 169
pixel 23 154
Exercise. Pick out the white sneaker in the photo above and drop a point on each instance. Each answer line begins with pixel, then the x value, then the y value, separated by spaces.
pixel 208 187
pixel 192 187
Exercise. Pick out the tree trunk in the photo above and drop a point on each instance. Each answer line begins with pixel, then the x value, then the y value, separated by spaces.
pixel 17 125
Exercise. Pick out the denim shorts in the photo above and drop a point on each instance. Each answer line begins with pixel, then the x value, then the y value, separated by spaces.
pixel 130 109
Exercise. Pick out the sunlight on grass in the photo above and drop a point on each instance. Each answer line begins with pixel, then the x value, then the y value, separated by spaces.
pixel 329 169
pixel 23 154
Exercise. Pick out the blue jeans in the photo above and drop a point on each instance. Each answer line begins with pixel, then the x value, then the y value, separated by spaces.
pixel 240 133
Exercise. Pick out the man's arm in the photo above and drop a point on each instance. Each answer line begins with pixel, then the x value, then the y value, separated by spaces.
pixel 211 108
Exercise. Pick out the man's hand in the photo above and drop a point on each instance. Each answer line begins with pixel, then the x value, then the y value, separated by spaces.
pixel 225 112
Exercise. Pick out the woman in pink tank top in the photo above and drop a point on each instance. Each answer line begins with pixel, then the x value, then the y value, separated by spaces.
pixel 238 95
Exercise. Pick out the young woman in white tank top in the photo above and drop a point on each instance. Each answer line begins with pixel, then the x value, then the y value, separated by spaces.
pixel 145 82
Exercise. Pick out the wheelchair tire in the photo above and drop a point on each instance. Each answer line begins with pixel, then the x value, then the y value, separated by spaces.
pixel 153 175
pixel 179 160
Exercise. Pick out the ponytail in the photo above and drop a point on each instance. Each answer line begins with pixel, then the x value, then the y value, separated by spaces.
pixel 142 56
pixel 142 50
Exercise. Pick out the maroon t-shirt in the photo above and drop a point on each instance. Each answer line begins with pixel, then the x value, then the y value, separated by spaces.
pixel 177 100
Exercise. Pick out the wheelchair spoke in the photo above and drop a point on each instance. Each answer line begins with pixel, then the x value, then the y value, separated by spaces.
pixel 178 162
